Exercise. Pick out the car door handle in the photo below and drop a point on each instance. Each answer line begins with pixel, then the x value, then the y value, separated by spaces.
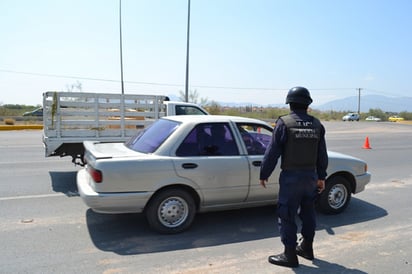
pixel 256 163
pixel 189 165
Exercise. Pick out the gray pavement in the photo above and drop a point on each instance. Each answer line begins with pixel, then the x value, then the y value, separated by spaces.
pixel 46 228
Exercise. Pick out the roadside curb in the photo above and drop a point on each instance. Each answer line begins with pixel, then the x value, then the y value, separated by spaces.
pixel 20 127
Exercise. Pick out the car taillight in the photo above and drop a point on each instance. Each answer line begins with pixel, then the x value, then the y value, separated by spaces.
pixel 96 174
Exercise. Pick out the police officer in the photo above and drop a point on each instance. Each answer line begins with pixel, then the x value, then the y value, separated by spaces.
pixel 299 139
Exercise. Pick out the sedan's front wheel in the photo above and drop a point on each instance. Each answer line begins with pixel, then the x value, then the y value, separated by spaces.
pixel 336 196
pixel 171 211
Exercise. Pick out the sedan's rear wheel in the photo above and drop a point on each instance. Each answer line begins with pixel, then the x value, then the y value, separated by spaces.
pixel 336 196
pixel 171 211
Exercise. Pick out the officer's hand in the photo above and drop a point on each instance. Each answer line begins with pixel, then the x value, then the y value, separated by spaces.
pixel 321 185
pixel 263 183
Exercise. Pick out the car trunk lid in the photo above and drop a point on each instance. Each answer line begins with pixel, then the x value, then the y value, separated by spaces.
pixel 103 150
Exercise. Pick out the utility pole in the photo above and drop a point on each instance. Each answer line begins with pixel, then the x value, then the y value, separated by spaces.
pixel 359 94
pixel 121 71
pixel 121 46
pixel 187 54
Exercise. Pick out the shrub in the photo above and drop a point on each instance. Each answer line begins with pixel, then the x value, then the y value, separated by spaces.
pixel 9 122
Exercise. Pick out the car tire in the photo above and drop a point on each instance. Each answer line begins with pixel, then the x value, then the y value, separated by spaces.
pixel 171 211
pixel 336 196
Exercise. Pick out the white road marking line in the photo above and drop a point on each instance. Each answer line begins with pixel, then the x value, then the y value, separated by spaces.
pixel 31 196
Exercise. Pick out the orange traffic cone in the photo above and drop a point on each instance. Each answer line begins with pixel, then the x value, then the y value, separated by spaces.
pixel 366 144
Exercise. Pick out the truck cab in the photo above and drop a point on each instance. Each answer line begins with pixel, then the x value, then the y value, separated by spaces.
pixel 182 108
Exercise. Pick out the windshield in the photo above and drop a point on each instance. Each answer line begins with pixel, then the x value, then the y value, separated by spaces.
pixel 148 140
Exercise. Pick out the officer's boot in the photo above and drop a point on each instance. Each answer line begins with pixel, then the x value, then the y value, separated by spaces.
pixel 305 250
pixel 287 258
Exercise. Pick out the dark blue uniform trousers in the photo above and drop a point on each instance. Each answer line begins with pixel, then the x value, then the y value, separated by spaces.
pixel 297 194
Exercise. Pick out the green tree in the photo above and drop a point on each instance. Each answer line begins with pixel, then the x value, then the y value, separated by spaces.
pixel 406 115
pixel 377 113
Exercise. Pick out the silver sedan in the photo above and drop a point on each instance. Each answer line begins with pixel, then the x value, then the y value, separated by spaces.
pixel 182 165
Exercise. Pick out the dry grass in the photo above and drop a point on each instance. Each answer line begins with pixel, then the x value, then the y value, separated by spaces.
pixel 408 122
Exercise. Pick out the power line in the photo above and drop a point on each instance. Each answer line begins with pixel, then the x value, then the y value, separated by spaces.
pixel 84 78
pixel 57 76
pixel 178 85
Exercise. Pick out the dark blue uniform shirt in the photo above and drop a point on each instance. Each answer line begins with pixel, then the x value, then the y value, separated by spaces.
pixel 279 138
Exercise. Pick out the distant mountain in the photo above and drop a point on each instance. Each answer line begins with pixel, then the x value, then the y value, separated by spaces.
pixel 387 104
pixel 243 104
pixel 350 104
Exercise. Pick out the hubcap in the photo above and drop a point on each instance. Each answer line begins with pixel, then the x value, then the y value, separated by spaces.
pixel 173 211
pixel 337 196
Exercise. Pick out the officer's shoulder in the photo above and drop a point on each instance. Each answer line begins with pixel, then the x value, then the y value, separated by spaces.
pixel 287 121
pixel 280 119
pixel 315 120
pixel 285 118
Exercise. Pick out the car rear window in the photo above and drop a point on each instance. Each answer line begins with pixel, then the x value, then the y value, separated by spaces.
pixel 148 140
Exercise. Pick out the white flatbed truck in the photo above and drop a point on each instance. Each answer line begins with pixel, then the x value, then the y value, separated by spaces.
pixel 70 118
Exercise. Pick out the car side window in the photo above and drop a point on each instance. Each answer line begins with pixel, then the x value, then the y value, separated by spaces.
pixel 255 137
pixel 210 139
pixel 189 145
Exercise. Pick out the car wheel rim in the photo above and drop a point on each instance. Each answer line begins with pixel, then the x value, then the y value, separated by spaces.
pixel 337 196
pixel 173 211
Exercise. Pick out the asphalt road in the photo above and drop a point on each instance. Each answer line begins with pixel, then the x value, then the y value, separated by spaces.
pixel 46 228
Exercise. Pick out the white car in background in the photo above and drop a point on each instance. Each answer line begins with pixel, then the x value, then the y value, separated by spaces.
pixel 182 165
pixel 351 117
pixel 373 119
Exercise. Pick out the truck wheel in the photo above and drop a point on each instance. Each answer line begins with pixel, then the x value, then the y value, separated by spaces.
pixel 336 196
pixel 171 211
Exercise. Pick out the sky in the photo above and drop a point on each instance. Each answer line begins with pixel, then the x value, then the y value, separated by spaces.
pixel 243 51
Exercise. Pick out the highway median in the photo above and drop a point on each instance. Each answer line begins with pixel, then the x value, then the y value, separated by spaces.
pixel 21 127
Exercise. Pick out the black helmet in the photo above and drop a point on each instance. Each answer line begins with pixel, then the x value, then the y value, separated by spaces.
pixel 299 95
